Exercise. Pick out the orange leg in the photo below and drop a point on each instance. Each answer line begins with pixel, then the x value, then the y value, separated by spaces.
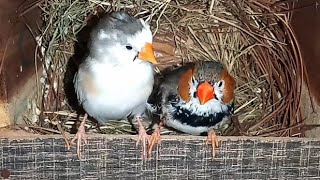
pixel 143 137
pixel 154 139
pixel 81 135
pixel 213 139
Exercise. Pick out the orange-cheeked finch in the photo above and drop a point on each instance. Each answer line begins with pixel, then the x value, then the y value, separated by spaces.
pixel 197 99
pixel 117 76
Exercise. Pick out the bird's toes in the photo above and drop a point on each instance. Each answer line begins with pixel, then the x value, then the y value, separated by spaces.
pixel 154 139
pixel 144 140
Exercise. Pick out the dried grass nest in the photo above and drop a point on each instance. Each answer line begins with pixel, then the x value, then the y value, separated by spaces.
pixel 253 39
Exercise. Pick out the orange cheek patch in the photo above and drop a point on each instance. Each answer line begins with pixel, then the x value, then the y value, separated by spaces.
pixel 184 86
pixel 229 86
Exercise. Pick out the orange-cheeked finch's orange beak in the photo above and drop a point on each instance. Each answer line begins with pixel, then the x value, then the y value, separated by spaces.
pixel 147 54
pixel 205 92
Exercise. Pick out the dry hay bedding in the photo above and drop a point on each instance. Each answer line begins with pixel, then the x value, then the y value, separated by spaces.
pixel 252 38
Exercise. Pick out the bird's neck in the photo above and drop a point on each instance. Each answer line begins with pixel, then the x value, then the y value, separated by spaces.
pixel 129 75
pixel 211 107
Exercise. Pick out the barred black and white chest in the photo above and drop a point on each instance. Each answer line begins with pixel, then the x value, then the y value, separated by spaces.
pixel 192 120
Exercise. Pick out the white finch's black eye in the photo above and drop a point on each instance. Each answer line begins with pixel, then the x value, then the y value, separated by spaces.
pixel 128 47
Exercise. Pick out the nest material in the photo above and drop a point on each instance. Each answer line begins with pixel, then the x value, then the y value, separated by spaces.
pixel 253 39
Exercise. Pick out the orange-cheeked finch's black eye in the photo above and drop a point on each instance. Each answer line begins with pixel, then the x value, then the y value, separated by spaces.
pixel 128 47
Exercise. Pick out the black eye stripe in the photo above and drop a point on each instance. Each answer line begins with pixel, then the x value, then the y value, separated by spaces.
pixel 193 80
pixel 194 94
pixel 215 97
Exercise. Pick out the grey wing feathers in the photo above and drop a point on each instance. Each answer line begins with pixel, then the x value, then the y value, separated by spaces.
pixel 77 81
pixel 80 94
pixel 153 103
pixel 163 87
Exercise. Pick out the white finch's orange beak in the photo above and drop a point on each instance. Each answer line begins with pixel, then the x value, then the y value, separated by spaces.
pixel 205 92
pixel 147 54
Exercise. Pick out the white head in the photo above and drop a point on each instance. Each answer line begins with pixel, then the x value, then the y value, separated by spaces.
pixel 122 39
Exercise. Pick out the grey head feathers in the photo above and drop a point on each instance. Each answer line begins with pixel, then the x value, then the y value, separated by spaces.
pixel 208 70
pixel 204 71
pixel 112 30
pixel 117 24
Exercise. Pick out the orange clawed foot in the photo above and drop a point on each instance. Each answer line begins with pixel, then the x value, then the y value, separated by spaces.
pixel 81 135
pixel 154 139
pixel 213 140
pixel 143 137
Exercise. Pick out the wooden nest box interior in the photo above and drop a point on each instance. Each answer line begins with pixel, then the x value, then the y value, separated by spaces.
pixel 272 137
